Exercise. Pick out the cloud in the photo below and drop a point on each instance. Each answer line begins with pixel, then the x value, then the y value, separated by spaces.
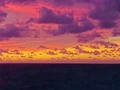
pixel 62 2
pixel 19 2
pixel 23 2
pixel 107 44
pixel 106 13
pixel 66 2
pixel 107 24
pixel 3 15
pixel 116 32
pixel 88 37
pixel 96 52
pixel 103 13
pixel 95 46
pixel 82 1
pixel 80 50
pixel 2 2
pixel 13 31
pixel 117 3
pixel 16 52
pixel 3 51
pixel 51 53
pixel 73 28
pixel 66 22
pixel 48 16
pixel 63 51
pixel 42 47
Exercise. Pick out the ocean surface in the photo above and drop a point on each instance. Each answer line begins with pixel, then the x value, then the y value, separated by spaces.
pixel 59 77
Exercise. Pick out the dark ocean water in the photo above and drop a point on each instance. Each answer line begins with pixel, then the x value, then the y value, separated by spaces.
pixel 59 77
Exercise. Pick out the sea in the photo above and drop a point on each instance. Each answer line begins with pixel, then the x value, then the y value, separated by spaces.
pixel 59 77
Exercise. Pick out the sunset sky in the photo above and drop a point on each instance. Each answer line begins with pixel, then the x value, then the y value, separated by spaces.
pixel 59 31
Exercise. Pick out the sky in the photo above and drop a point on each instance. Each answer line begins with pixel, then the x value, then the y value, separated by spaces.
pixel 60 31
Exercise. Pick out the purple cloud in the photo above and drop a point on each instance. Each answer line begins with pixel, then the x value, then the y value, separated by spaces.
pixel 88 37
pixel 66 22
pixel 2 2
pixel 107 24
pixel 116 32
pixel 12 31
pixel 21 1
pixel 117 3
pixel 66 2
pixel 49 16
pixel 87 1
pixel 3 15
pixel 105 12
pixel 63 2
pixel 73 28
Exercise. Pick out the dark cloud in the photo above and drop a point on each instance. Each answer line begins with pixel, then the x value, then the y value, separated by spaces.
pixel 21 1
pixel 63 2
pixel 81 1
pixel 3 15
pixel 106 13
pixel 82 26
pixel 56 32
pixel 73 28
pixel 49 16
pixel 88 37
pixel 12 31
pixel 107 24
pixel 103 13
pixel 117 5
pixel 66 2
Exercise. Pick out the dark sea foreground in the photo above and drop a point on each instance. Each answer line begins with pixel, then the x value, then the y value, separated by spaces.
pixel 59 77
